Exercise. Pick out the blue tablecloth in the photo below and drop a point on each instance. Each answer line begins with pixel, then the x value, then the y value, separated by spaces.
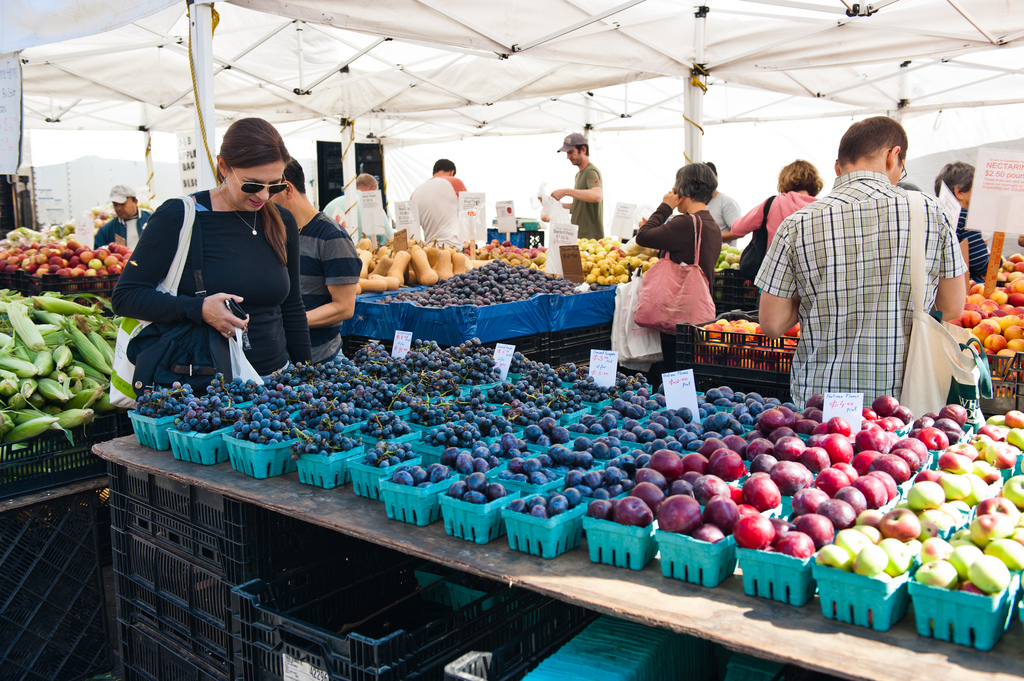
pixel 583 309
pixel 455 324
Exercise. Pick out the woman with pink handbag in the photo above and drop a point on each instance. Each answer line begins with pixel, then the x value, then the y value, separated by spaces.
pixel 677 289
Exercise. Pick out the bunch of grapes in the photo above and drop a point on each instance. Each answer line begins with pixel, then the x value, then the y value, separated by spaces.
pixel 322 442
pixel 206 414
pixel 494 283
pixel 417 476
pixel 159 402
pixel 263 425
pixel 387 453
pixel 321 413
pixel 384 426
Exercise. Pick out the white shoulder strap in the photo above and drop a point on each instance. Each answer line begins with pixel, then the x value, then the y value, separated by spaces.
pixel 173 278
pixel 918 278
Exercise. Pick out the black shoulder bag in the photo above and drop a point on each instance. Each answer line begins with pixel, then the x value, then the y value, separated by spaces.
pixel 753 254
pixel 185 352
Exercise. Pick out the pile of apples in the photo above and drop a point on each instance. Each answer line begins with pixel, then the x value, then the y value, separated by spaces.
pixel 513 255
pixel 67 259
pixel 741 326
pixel 728 259
pixel 605 261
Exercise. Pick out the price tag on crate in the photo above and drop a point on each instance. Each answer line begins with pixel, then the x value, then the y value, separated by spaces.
pixel 849 406
pixel 603 365
pixel 297 670
pixel 681 391
pixel 402 344
pixel 503 358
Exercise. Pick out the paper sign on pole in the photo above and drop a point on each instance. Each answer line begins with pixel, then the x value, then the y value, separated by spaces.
pixel 559 234
pixel 371 212
pixel 405 216
pixel 503 358
pixel 473 214
pixel 187 162
pixel 603 366
pixel 624 221
pixel 997 195
pixel 950 205
pixel 681 392
pixel 403 343
pixel 10 113
pixel 506 220
pixel 849 406
pixel 85 233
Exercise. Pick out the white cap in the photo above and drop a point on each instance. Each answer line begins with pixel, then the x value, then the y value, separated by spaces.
pixel 121 192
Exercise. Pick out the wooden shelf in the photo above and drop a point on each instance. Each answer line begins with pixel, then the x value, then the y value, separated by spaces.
pixel 724 614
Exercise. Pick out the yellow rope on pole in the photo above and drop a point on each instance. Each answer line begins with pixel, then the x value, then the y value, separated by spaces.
pixel 215 19
pixel 694 124
pixel 149 180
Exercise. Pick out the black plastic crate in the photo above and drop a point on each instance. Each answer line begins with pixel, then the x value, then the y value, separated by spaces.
pixel 28 285
pixel 563 347
pixel 533 346
pixel 731 291
pixel 351 344
pixel 103 525
pixel 53 623
pixel 336 625
pixel 545 630
pixel 148 655
pixel 52 459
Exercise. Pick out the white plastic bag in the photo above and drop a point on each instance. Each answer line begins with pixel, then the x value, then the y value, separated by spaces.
pixel 633 343
pixel 240 366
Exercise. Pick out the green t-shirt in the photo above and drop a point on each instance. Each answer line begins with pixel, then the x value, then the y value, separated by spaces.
pixel 589 217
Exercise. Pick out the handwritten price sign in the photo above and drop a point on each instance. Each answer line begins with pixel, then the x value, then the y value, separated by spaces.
pixel 681 391
pixel 503 358
pixel 402 344
pixel 849 406
pixel 603 365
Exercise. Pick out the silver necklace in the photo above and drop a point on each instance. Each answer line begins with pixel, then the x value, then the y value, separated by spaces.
pixel 255 219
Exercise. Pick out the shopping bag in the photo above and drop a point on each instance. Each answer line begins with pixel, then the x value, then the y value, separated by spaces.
pixel 632 341
pixel 943 365
pixel 240 366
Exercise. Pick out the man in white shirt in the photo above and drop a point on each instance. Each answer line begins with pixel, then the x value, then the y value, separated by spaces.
pixel 437 205
pixel 724 209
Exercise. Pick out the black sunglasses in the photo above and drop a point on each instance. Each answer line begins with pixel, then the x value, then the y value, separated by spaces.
pixel 257 187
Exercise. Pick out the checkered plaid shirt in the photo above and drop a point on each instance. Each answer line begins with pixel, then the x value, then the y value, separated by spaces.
pixel 847 256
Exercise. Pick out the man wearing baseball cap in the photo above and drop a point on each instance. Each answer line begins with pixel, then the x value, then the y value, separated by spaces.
pixel 587 207
pixel 127 226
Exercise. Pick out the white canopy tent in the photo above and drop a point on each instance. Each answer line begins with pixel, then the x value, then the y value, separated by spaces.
pixel 420 71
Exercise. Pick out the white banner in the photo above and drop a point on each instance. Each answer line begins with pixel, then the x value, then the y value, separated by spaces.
pixel 187 162
pixel 10 113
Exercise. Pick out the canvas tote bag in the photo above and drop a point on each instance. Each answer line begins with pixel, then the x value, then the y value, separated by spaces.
pixel 673 294
pixel 945 363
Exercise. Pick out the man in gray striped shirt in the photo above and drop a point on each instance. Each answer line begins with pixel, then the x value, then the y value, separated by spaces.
pixel 841 267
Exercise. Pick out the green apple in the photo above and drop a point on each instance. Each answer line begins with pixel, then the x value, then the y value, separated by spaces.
pixel 1016 437
pixel 872 533
pixel 961 537
pixel 834 556
pixel 1013 490
pixel 954 512
pixel 960 506
pixel 914 546
pixel 936 548
pixel 987 528
pixel 962 557
pixel 1008 551
pixel 954 486
pixel 989 574
pixel 986 471
pixel 938 573
pixel 925 494
pixel 852 541
pixel 996 420
pixel 979 490
pixel 882 577
pixel 870 561
pixel 902 504
pixel 899 556
pixel 942 520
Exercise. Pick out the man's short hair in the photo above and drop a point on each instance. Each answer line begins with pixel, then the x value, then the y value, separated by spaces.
pixel 444 165
pixel 957 175
pixel 697 181
pixel 366 181
pixel 798 176
pixel 870 136
pixel 293 174
pixel 583 149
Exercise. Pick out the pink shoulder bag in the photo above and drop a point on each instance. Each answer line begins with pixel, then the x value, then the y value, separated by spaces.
pixel 673 294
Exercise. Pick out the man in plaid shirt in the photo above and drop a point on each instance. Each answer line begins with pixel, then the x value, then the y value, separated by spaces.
pixel 841 267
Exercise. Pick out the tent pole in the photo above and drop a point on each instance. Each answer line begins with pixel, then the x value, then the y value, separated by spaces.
pixel 902 89
pixel 148 137
pixel 693 104
pixel 201 25
pixel 348 166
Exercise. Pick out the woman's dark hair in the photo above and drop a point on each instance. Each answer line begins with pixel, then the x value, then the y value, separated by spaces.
pixel 957 175
pixel 697 181
pixel 248 143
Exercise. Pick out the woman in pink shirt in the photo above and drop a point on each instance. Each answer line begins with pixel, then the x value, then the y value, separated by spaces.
pixel 799 184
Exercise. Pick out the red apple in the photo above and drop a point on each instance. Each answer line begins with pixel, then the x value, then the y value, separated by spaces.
pixel 753 532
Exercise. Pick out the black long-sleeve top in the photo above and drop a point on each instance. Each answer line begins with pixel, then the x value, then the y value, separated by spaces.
pixel 234 261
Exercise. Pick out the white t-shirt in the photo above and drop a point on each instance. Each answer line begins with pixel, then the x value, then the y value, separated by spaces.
pixel 437 205
pixel 724 210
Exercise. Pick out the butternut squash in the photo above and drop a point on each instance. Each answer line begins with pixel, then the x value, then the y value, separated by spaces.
pixel 375 283
pixel 432 250
pixel 383 266
pixel 444 265
pixel 359 287
pixel 398 266
pixel 410 276
pixel 384 251
pixel 421 266
pixel 367 258
pixel 365 244
pixel 459 261
pixel 392 283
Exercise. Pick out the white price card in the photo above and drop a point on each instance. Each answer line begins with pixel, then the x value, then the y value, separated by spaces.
pixel 506 216
pixel 473 214
pixel 681 392
pixel 297 670
pixel 371 212
pixel 849 406
pixel 85 232
pixel 603 365
pixel 559 234
pixel 402 344
pixel 997 195
pixel 950 205
pixel 624 221
pixel 503 358
pixel 405 216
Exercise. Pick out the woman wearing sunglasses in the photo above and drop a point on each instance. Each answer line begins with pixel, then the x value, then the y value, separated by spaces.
pixel 250 254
